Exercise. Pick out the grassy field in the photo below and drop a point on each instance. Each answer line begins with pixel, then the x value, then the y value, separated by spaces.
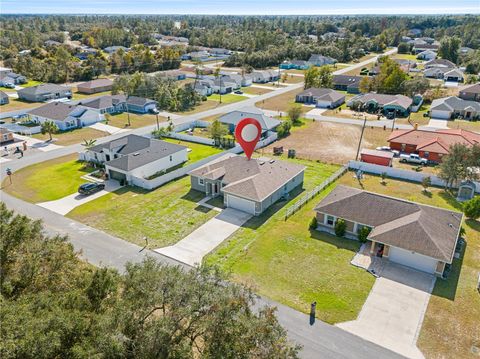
pixel 72 137
pixel 164 215
pixel 281 102
pixel 255 90
pixel 204 106
pixel 136 120
pixel 451 326
pixel 31 83
pixel 228 98
pixel 404 57
pixel 465 125
pixel 287 262
pixel 80 96
pixel 16 104
pixel 47 181
pixel 198 152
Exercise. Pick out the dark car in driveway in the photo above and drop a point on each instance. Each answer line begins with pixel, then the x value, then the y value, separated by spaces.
pixel 90 188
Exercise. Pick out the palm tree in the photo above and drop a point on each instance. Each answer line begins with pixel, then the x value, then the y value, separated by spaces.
pixel 89 143
pixel 49 127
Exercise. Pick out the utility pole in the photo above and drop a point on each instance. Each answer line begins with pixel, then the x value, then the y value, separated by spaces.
pixel 158 124
pixel 394 117
pixel 361 137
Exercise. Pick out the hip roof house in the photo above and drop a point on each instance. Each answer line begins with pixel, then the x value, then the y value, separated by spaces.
pixel 415 235
pixel 233 118
pixel 452 107
pixel 373 102
pixel 321 97
pixel 95 86
pixel 44 92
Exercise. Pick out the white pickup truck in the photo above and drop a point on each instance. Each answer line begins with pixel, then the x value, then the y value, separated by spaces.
pixel 413 158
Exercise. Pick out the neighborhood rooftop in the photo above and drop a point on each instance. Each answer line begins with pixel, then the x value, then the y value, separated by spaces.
pixel 54 111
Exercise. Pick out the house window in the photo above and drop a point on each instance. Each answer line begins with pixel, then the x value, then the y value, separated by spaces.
pixel 171 158
pixel 330 221
pixel 201 181
pixel 426 154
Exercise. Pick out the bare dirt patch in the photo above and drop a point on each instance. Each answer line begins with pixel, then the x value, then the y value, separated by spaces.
pixel 329 142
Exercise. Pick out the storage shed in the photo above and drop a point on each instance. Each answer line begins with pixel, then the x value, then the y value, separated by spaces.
pixel 382 158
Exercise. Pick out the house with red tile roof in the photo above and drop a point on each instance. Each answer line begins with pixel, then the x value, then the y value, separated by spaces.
pixel 432 145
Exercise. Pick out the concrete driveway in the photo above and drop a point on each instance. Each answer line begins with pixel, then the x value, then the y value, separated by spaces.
pixel 393 313
pixel 66 204
pixel 206 238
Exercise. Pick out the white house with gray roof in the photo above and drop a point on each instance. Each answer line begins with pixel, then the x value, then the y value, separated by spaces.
pixel 250 186
pixel 44 92
pixel 231 119
pixel 136 156
pixel 321 97
pixel 453 107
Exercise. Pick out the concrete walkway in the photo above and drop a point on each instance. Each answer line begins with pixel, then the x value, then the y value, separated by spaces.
pixel 66 204
pixel 394 310
pixel 206 238
pixel 107 128
pixel 40 145
pixel 438 123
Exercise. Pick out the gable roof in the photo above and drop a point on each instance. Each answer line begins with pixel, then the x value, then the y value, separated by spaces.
pixel 96 83
pixel 442 138
pixel 440 63
pixel 254 179
pixel 383 99
pixel 105 101
pixel 453 103
pixel 43 89
pixel 475 88
pixel 350 81
pixel 323 94
pixel 139 101
pixel 58 111
pixel 234 117
pixel 423 229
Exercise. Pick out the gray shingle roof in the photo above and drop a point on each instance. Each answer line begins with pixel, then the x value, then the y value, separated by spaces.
pixel 105 101
pixel 43 89
pixel 322 94
pixel 453 103
pixel 475 88
pixel 251 179
pixel 234 117
pixel 139 101
pixel 383 99
pixel 96 83
pixel 54 111
pixel 426 230
pixel 347 80
pixel 3 95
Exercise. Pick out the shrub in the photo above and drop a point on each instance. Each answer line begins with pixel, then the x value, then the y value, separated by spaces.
pixel 363 234
pixel 283 129
pixel 471 208
pixel 340 227
pixel 313 223
pixel 426 182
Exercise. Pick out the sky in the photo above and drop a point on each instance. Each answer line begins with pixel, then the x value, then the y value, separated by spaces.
pixel 240 7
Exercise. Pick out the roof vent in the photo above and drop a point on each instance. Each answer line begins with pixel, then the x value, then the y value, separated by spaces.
pixel 271 161
pixel 136 154
pixel 261 163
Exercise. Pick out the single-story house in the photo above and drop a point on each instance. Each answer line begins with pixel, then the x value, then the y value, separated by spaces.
pixel 453 75
pixel 65 116
pixel 7 77
pixel 175 75
pixel 321 97
pixel 84 52
pixel 250 186
pixel 203 89
pixel 381 158
pixel 6 136
pixel 51 43
pixel 452 107
pixel 44 92
pixel 264 76
pixel 295 65
pixel 432 145
pixel 224 85
pixel 440 63
pixel 141 104
pixel 112 49
pixel 136 156
pixel 215 51
pixel 196 56
pixel 351 84
pixel 427 55
pixel 373 102
pixel 95 86
pixel 107 104
pixel 4 99
pixel 470 93
pixel 418 48
pixel 320 60
pixel 233 118
pixel 241 81
pixel 411 234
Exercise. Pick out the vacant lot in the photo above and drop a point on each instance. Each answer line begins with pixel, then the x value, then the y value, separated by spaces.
pixel 465 125
pixel 47 181
pixel 287 262
pixel 136 120
pixel 198 152
pixel 164 216
pixel 281 102
pixel 255 90
pixel 228 98
pixel 451 326
pixel 80 96
pixel 203 106
pixel 16 104
pixel 72 137
pixel 329 142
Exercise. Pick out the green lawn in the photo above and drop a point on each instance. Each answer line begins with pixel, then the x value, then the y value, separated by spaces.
pixel 32 83
pixel 47 181
pixel 228 98
pixel 451 326
pixel 287 262
pixel 71 137
pixel 164 215
pixel 198 152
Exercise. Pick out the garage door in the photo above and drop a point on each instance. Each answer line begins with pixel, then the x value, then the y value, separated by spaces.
pixel 241 204
pixel 413 260
pixel 121 177
pixel 444 115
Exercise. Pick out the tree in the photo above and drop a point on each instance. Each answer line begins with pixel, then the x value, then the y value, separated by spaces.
pixel 217 130
pixel 471 208
pixel 454 166
pixel 89 143
pixel 313 223
pixel 162 132
pixel 294 112
pixel 283 130
pixel 426 183
pixel 403 48
pixel 340 227
pixel 366 85
pixel 449 47
pixel 49 127
pixel 363 233
pixel 218 76
pixel 416 86
pixel 310 77
pixel 318 77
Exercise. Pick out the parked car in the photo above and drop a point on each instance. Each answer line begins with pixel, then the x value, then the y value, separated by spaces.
pixel 154 111
pixel 90 188
pixel 413 158
pixel 238 92
pixel 9 86
pixel 388 149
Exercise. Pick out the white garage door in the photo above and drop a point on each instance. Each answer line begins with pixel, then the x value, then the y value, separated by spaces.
pixel 241 204
pixel 444 115
pixel 413 260
pixel 323 104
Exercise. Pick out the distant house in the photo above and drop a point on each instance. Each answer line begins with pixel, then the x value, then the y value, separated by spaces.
pixel 452 107
pixel 453 75
pixel 112 49
pixel 251 186
pixel 175 75
pixel 408 233
pixel 466 50
pixel 470 93
pixel 433 145
pixel 107 104
pixel 6 136
pixel 44 92
pixel 52 43
pixel 136 156
pixel 196 56
pixel 435 72
pixel 418 48
pixel 233 118
pixel 374 71
pixel 321 97
pixel 141 104
pixel 351 84
pixel 84 52
pixel 264 76
pixel 65 116
pixel 427 55
pixel 440 63
pixel 382 158
pixel 223 86
pixel 241 81
pixel 373 102
pixel 320 60
pixel 4 98
pixel 9 78
pixel 95 86
pixel 219 51
pixel 203 89
pixel 295 65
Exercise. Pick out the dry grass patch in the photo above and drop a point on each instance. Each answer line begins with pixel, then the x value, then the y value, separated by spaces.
pixel 136 120
pixel 255 90
pixel 72 137
pixel 281 102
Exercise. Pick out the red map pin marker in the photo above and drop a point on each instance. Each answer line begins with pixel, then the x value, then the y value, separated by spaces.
pixel 247 134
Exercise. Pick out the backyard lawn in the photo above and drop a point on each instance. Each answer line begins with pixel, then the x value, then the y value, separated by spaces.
pixel 198 152
pixel 164 216
pixel 47 181
pixel 81 96
pixel 287 262
pixel 203 106
pixel 228 98
pixel 121 120
pixel 72 137
pixel 451 327
pixel 281 102
pixel 16 104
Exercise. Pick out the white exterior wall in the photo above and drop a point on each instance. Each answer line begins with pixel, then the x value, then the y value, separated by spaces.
pixel 91 117
pixel 62 125
pixel 440 114
pixel 412 260
pixel 159 165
